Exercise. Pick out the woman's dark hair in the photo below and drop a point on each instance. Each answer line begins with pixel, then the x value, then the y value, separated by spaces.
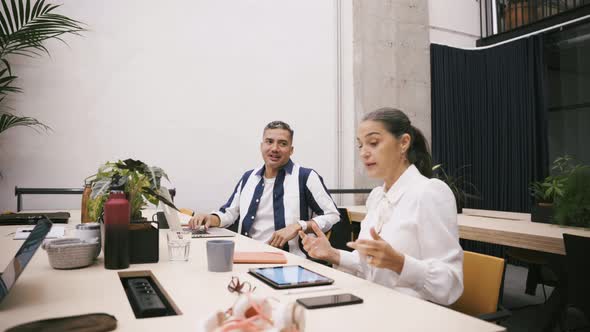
pixel 398 123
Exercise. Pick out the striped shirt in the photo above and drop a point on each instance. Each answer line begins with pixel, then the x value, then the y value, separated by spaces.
pixel 298 194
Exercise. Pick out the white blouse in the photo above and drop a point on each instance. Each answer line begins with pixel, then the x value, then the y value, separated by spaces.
pixel 418 218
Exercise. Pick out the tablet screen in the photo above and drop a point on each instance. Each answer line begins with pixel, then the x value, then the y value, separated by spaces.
pixel 291 276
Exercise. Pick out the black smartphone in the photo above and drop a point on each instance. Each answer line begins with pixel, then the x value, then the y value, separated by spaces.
pixel 329 301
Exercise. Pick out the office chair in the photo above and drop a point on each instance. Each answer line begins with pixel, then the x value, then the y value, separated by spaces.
pixel 482 282
pixel 341 232
pixel 577 267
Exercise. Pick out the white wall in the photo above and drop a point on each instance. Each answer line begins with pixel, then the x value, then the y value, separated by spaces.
pixel 454 22
pixel 184 85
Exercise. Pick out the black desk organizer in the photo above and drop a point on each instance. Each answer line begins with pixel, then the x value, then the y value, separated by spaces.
pixel 144 244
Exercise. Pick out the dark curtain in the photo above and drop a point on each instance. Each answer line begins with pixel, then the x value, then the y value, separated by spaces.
pixel 489 119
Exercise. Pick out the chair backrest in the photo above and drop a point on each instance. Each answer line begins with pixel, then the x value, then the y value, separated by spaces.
pixel 482 280
pixel 341 232
pixel 578 269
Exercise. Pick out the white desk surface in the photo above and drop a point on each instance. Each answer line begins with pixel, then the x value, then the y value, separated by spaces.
pixel 505 228
pixel 42 292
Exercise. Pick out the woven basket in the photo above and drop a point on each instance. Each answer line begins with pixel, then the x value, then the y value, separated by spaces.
pixel 70 253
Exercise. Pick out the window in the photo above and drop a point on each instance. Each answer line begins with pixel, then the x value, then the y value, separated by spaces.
pixel 567 55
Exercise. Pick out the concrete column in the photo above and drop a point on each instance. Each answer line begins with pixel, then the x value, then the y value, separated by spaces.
pixel 391 64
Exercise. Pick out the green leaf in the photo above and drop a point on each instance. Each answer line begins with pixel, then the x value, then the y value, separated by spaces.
pixel 558 192
pixel 36 8
pixel 7 11
pixel 33 27
pixel 7 66
pixel 159 197
pixel 5 29
pixel 28 11
pixel 8 121
pixel 15 14
pixel 548 192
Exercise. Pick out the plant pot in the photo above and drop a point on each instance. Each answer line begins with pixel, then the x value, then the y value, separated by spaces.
pixel 542 212
pixel 459 205
pixel 143 243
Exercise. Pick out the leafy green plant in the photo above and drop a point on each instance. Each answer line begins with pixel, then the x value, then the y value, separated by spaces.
pixel 8 120
pixel 573 208
pixel 24 27
pixel 552 188
pixel 141 185
pixel 461 187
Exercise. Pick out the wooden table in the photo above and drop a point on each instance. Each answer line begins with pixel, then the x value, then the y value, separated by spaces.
pixel 505 228
pixel 42 292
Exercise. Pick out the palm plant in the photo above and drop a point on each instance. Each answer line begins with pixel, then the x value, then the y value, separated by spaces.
pixel 24 26
pixel 8 120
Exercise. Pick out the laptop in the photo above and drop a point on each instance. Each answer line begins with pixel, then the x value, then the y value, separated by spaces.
pixel 31 218
pixel 176 224
pixel 23 256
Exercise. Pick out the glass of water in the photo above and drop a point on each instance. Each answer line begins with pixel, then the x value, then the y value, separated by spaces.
pixel 179 245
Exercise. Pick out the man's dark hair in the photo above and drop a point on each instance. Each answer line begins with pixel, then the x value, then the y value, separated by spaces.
pixel 280 125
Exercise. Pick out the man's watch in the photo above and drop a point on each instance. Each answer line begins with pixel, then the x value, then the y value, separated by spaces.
pixel 303 225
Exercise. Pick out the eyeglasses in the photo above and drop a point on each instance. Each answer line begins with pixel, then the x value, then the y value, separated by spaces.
pixel 235 286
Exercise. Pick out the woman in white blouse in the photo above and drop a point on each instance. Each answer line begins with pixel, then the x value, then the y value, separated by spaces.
pixel 409 238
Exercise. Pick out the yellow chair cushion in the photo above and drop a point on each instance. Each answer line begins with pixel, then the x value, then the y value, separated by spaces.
pixel 187 211
pixel 482 279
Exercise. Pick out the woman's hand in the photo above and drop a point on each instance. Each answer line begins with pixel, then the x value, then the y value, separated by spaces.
pixel 319 247
pixel 379 253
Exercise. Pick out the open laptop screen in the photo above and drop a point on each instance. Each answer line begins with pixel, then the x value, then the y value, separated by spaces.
pixel 23 256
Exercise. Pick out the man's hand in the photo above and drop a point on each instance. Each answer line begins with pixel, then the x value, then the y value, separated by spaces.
pixel 319 246
pixel 379 253
pixel 207 220
pixel 282 236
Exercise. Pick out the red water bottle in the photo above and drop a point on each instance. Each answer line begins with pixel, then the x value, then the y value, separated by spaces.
pixel 117 214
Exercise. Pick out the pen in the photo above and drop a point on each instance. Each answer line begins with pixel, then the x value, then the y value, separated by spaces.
pixel 311 290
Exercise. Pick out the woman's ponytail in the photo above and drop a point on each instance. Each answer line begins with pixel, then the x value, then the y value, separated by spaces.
pixel 419 154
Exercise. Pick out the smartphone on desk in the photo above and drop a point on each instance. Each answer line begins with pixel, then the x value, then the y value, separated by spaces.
pixel 329 301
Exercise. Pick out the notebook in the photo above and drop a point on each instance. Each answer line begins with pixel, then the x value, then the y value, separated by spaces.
pixel 23 256
pixel 259 257
pixel 31 218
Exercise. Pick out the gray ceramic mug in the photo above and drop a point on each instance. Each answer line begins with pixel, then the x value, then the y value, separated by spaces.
pixel 220 255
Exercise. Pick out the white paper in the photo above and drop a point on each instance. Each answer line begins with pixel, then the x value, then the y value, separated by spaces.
pixel 55 232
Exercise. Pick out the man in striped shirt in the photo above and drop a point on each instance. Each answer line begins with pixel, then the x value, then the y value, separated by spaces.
pixel 275 201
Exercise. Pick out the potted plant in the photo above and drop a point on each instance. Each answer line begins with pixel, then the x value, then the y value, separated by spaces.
pixel 141 183
pixel 522 12
pixel 551 189
pixel 573 208
pixel 460 186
